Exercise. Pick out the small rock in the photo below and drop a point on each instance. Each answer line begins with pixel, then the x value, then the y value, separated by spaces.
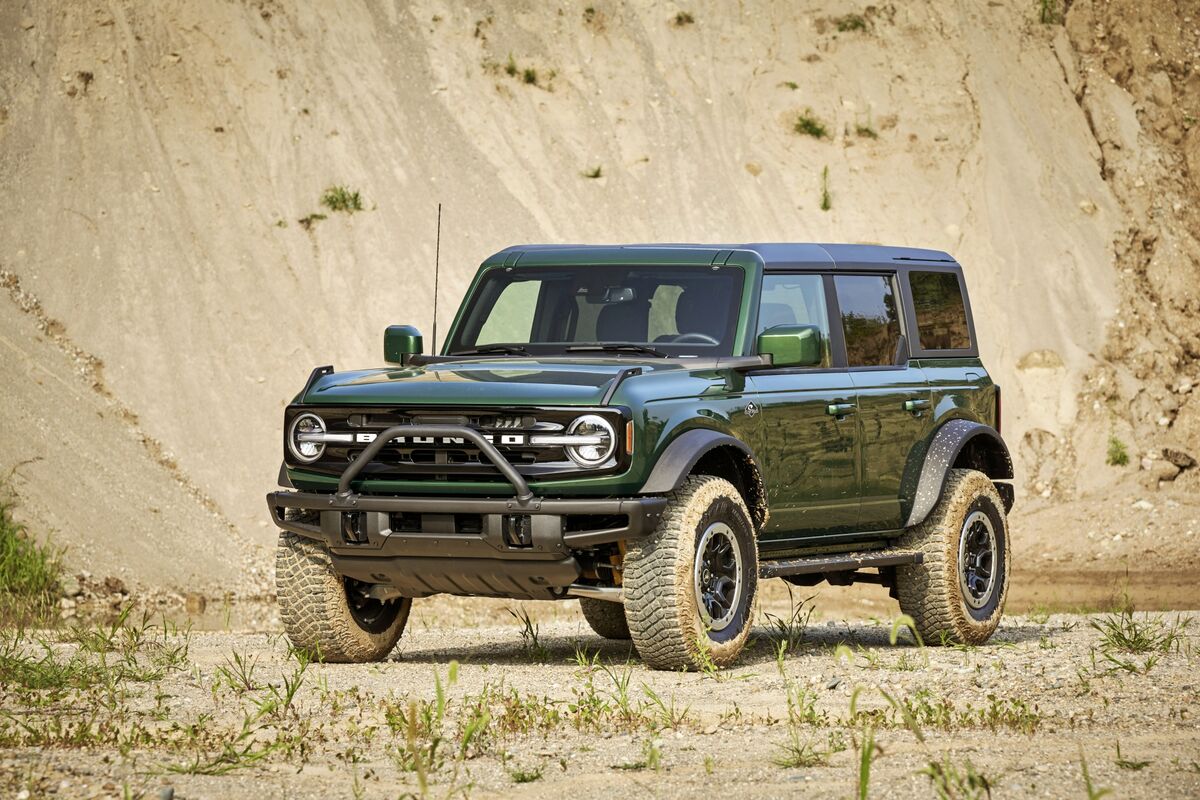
pixel 1147 464
pixel 70 586
pixel 754 168
pixel 27 25
pixel 166 793
pixel 1087 207
pixel 834 683
pixel 114 585
pixel 65 602
pixel 1144 505
pixel 1184 386
pixel 1178 458
pixel 23 794
pixel 195 603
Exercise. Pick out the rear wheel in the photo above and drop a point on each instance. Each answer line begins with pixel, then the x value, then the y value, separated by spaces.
pixel 329 617
pixel 957 594
pixel 606 618
pixel 690 586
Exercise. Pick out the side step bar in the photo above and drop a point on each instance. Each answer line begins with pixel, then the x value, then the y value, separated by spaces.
pixel 842 562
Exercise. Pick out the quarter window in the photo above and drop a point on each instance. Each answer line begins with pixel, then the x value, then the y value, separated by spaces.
pixel 795 300
pixel 870 319
pixel 941 315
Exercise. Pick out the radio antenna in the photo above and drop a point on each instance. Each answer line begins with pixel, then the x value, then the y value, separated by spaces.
pixel 437 253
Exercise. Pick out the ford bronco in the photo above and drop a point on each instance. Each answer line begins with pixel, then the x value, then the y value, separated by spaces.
pixel 653 430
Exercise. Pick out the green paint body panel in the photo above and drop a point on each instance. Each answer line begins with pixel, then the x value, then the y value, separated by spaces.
pixel 825 474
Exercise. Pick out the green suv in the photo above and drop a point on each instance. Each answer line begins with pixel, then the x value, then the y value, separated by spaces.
pixel 653 429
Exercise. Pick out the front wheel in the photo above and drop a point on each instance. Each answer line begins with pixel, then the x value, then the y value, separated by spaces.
pixel 690 586
pixel 956 595
pixel 327 616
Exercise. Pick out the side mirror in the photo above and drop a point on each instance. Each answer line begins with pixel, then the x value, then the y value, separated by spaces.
pixel 791 345
pixel 400 342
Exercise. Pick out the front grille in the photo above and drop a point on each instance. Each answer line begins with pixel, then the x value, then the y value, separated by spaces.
pixel 448 460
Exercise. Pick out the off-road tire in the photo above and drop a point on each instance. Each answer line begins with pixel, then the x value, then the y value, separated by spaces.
pixel 661 607
pixel 930 592
pixel 316 612
pixel 606 618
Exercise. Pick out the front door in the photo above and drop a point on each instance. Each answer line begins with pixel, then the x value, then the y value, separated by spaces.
pixel 893 398
pixel 810 455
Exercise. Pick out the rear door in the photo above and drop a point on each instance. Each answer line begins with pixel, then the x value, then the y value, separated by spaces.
pixel 810 456
pixel 892 396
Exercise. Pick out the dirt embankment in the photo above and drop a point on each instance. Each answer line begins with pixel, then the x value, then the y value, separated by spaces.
pixel 160 162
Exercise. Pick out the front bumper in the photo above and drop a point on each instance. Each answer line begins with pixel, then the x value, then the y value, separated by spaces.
pixel 439 558
pixel 523 547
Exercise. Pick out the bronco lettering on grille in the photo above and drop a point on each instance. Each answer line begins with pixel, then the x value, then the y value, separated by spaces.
pixel 504 438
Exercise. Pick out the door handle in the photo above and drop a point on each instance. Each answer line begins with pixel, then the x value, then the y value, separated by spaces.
pixel 914 406
pixel 840 409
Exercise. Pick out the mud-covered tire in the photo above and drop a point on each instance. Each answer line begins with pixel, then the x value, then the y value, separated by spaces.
pixel 936 593
pixel 662 603
pixel 606 618
pixel 317 614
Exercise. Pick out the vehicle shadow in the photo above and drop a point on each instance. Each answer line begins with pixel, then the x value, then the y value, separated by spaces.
pixel 762 647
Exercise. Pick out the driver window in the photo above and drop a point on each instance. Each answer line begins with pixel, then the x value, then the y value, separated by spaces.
pixel 795 300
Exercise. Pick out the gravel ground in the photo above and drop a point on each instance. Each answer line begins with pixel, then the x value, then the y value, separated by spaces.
pixel 1021 713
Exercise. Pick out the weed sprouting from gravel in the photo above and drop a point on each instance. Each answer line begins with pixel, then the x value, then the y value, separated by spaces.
pixel 1118 456
pixel 826 198
pixel 1128 764
pixel 789 631
pixel 951 781
pixel 342 198
pixel 1123 631
pixel 529 636
pixel 520 775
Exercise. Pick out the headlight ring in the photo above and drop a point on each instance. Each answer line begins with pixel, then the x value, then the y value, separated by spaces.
pixel 595 453
pixel 305 438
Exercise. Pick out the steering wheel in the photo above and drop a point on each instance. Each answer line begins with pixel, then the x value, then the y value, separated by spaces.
pixel 698 338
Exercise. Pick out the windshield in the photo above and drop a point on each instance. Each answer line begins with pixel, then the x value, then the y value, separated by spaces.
pixel 644 310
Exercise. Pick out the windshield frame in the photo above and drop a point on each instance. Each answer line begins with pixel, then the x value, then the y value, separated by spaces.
pixel 735 342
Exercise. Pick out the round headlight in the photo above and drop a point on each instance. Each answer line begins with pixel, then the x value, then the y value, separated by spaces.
pixel 600 442
pixel 305 438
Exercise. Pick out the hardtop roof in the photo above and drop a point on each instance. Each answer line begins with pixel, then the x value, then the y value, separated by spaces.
pixel 775 255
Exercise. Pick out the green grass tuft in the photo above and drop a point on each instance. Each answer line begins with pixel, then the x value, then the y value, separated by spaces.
pixel 1050 12
pixel 29 572
pixel 342 198
pixel 1118 456
pixel 809 125
pixel 826 198
pixel 851 22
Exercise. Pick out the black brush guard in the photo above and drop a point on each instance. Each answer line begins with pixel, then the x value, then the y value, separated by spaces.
pixel 523 548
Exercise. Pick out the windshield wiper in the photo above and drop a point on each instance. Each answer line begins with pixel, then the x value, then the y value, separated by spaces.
pixel 509 349
pixel 618 347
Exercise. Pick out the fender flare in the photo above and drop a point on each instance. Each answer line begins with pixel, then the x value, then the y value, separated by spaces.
pixel 944 449
pixel 676 462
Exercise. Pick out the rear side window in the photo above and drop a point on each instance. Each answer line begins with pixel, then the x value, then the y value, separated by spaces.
pixel 941 314
pixel 870 319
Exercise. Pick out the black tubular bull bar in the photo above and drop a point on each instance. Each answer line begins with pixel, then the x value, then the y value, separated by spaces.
pixel 522 547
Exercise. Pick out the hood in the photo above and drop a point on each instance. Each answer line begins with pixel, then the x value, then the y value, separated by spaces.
pixel 491 381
